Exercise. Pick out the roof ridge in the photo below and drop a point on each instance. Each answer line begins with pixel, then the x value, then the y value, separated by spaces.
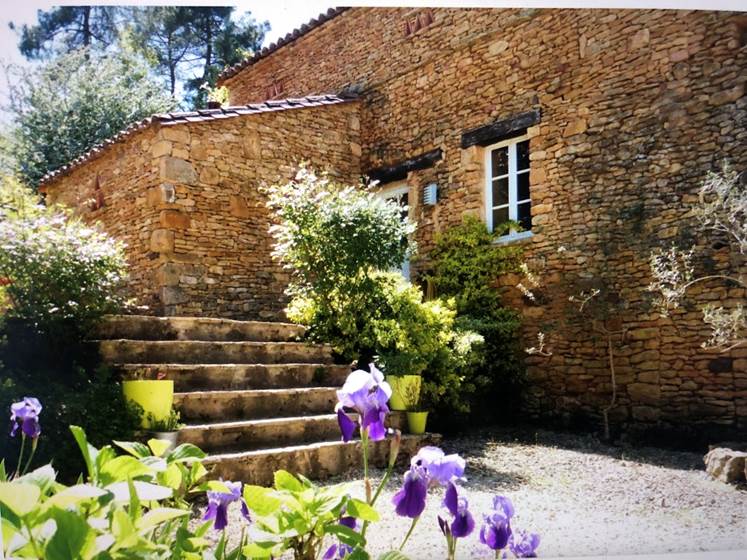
pixel 200 115
pixel 322 18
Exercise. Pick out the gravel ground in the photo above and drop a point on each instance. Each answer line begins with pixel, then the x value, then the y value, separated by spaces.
pixel 582 497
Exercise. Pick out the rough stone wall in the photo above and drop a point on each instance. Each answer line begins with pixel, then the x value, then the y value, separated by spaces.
pixel 111 190
pixel 215 242
pixel 186 199
pixel 636 107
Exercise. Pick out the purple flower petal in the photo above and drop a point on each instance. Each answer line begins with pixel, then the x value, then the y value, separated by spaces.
pixel 347 425
pixel 373 421
pixel 502 503
pixel 331 552
pixel 441 468
pixel 451 500
pixel 218 503
pixel 349 522
pixel 494 536
pixel 463 524
pixel 524 545
pixel 410 500
pixel 25 414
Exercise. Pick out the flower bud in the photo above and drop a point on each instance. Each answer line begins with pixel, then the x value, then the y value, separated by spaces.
pixel 394 447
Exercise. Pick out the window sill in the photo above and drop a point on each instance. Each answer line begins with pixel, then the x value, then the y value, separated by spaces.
pixel 524 236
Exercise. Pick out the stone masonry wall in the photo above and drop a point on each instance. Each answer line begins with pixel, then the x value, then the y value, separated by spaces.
pixel 186 199
pixel 112 191
pixel 215 243
pixel 636 107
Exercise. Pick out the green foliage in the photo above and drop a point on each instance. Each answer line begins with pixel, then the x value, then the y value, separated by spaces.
pixel 169 424
pixel 333 237
pixel 63 275
pixel 93 401
pixel 296 515
pixel 466 263
pixel 67 28
pixel 130 506
pixel 65 107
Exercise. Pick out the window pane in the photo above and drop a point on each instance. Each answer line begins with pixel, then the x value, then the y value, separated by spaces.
pixel 500 215
pixel 524 215
pixel 500 191
pixel 499 160
pixel 522 155
pixel 522 185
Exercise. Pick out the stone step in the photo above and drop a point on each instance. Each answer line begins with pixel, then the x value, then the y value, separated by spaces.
pixel 143 327
pixel 211 352
pixel 191 377
pixel 317 461
pixel 249 435
pixel 255 404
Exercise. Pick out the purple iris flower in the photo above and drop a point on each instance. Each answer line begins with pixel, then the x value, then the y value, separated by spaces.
pixel 496 529
pixel 367 394
pixel 218 503
pixel 463 523
pixel 25 414
pixel 410 500
pixel 340 550
pixel 524 545
pixel 441 468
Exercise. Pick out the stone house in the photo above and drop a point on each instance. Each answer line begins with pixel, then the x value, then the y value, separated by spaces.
pixel 593 128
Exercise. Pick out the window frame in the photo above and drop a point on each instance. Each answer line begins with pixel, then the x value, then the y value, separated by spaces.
pixel 395 189
pixel 513 203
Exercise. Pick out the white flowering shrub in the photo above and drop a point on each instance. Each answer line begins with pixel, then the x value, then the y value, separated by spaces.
pixel 721 211
pixel 59 274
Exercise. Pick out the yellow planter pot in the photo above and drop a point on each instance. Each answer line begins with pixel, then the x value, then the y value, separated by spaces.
pixel 156 396
pixel 404 389
pixel 416 422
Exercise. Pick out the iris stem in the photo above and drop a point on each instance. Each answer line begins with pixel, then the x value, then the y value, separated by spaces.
pixel 20 455
pixel 364 445
pixel 409 532
pixel 33 450
pixel 383 482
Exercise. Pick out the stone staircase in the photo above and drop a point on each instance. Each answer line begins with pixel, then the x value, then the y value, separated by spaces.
pixel 250 394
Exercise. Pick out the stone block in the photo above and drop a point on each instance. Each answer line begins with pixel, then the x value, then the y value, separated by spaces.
pixel 644 392
pixel 238 207
pixel 176 134
pixel 162 194
pixel 725 464
pixel 178 170
pixel 645 413
pixel 210 176
pixel 162 241
pixel 174 219
pixel 576 126
pixel 172 295
pixel 161 148
pixel 168 274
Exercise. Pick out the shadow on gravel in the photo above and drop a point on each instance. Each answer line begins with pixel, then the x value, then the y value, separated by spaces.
pixel 474 443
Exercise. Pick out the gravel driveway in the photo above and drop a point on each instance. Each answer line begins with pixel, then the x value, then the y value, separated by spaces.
pixel 582 497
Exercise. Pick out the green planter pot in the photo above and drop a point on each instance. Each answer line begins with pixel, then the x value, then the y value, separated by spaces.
pixel 416 422
pixel 156 396
pixel 402 387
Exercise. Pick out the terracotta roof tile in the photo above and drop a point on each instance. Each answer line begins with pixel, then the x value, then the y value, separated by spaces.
pixel 203 115
pixel 289 38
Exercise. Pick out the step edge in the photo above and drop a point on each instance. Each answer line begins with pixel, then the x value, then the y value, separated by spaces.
pixel 259 392
pixel 260 422
pixel 215 457
pixel 206 320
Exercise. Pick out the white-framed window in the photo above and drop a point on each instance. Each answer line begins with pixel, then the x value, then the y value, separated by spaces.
pixel 399 193
pixel 507 186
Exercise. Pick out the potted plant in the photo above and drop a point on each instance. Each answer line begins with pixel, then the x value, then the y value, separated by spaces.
pixel 417 417
pixel 403 375
pixel 153 393
pixel 166 429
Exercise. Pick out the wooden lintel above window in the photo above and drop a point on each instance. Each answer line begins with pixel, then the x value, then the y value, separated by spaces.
pixel 399 171
pixel 502 129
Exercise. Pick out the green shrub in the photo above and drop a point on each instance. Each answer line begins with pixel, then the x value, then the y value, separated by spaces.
pixel 94 402
pixel 61 275
pixel 332 237
pixel 466 262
